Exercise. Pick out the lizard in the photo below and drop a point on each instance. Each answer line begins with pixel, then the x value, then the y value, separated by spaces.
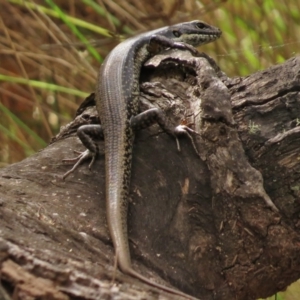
pixel 117 102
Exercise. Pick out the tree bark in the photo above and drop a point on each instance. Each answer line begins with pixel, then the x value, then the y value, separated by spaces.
pixel 218 222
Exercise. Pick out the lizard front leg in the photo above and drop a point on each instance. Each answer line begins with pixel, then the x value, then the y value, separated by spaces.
pixel 158 43
pixel 156 115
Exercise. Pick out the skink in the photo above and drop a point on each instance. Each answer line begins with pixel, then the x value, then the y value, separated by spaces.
pixel 117 101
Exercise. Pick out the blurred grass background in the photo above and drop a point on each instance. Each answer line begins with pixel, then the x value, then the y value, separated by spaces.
pixel 42 82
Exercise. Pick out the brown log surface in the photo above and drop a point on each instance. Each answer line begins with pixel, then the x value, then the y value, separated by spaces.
pixel 204 224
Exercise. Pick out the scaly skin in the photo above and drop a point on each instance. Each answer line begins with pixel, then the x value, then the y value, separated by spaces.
pixel 117 101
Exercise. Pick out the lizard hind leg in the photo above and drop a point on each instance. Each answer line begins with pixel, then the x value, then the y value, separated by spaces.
pixel 87 135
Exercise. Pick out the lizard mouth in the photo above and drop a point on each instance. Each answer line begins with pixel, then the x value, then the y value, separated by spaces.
pixel 201 39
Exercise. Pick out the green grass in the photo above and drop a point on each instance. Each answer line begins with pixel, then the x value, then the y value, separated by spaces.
pixel 253 39
pixel 41 86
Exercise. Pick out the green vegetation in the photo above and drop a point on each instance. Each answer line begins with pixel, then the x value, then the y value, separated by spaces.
pixel 43 77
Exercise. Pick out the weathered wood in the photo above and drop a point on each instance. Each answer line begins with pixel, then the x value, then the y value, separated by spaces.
pixel 206 225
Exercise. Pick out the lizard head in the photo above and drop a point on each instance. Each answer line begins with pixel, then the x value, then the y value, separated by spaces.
pixel 194 33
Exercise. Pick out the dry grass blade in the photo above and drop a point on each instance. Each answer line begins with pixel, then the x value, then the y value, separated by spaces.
pixel 24 73
pixel 252 40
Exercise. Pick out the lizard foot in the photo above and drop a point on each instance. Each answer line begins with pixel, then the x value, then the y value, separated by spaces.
pixel 183 129
pixel 79 159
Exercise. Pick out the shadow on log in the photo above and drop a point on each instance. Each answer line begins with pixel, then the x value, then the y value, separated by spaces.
pixel 220 224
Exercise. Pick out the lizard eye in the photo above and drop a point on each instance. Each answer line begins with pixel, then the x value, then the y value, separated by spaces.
pixel 200 25
pixel 176 33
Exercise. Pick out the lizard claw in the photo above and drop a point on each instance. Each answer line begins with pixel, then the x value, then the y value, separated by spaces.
pixel 183 129
pixel 79 159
